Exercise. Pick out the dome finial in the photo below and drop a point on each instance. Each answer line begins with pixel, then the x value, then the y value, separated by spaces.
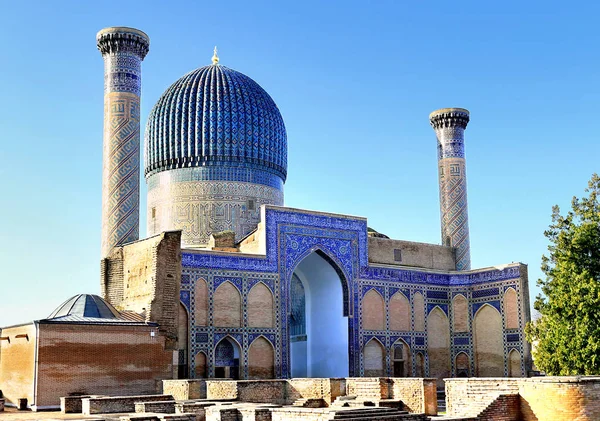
pixel 215 57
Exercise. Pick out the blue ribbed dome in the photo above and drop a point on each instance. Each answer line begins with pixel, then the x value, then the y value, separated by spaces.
pixel 216 116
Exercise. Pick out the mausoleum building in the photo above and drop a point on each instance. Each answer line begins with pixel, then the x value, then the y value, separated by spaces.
pixel 239 286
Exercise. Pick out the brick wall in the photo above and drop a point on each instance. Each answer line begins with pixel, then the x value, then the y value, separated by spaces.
pixel 116 404
pixel 93 359
pixel 418 395
pixel 504 408
pixel 221 389
pixel 161 407
pixel 540 398
pixel 185 389
pixel 17 356
pixel 145 277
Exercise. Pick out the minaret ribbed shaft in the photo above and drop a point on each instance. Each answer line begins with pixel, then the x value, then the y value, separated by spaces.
pixel 123 50
pixel 449 125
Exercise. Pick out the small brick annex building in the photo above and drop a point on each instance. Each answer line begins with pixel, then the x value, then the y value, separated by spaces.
pixel 241 287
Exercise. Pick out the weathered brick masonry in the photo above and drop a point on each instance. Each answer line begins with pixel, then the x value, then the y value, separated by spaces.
pixel 539 399
pixel 145 277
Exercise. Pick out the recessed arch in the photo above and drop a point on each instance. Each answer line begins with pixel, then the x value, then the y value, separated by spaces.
pixel 514 363
pixel 399 311
pixel 511 309
pixel 260 306
pixel 419 310
pixel 200 364
pixel 373 311
pixel 337 267
pixel 488 344
pixel 461 365
pixel 460 313
pixel 438 344
pixel 374 358
pixel 400 359
pixel 201 302
pixel 420 364
pixel 323 350
pixel 227 355
pixel 261 359
pixel 227 306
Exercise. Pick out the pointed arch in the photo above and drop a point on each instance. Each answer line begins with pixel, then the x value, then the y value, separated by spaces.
pixel 489 348
pixel 227 358
pixel 200 364
pixel 227 306
pixel 260 306
pixel 261 359
pixel 326 326
pixel 420 363
pixel 399 312
pixel 400 359
pixel 337 267
pixel 438 344
pixel 374 358
pixel 373 311
pixel 419 309
pixel 514 363
pixel 511 309
pixel 461 365
pixel 201 302
pixel 460 313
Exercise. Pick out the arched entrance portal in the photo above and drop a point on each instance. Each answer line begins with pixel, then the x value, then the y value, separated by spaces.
pixel 318 327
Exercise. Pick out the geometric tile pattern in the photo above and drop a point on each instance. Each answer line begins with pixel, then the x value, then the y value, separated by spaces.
pixel 123 50
pixel 200 208
pixel 291 235
pixel 215 116
pixel 449 125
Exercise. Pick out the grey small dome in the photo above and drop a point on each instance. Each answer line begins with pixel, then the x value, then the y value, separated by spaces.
pixel 86 306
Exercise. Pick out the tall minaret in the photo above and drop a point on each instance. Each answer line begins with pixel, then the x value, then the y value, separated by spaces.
pixel 123 50
pixel 449 125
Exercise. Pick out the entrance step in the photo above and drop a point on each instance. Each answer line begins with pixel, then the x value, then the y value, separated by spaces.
pixel 441 400
pixel 310 403
pixel 377 413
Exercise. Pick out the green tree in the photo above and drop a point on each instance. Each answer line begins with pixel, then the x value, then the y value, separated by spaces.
pixel 566 338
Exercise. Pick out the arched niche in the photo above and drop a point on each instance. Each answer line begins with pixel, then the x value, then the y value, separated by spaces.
pixel 419 309
pixel 461 365
pixel 489 349
pixel 400 359
pixel 438 344
pixel 374 359
pixel 373 311
pixel 200 364
pixel 227 306
pixel 511 309
pixel 227 359
pixel 420 364
pixel 260 306
pixel 261 359
pixel 460 310
pixel 201 302
pixel 514 363
pixel 399 309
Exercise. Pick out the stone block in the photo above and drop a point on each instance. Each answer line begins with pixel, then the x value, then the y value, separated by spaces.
pixel 116 404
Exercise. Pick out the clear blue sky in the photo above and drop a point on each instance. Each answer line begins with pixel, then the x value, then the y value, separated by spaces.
pixel 355 82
